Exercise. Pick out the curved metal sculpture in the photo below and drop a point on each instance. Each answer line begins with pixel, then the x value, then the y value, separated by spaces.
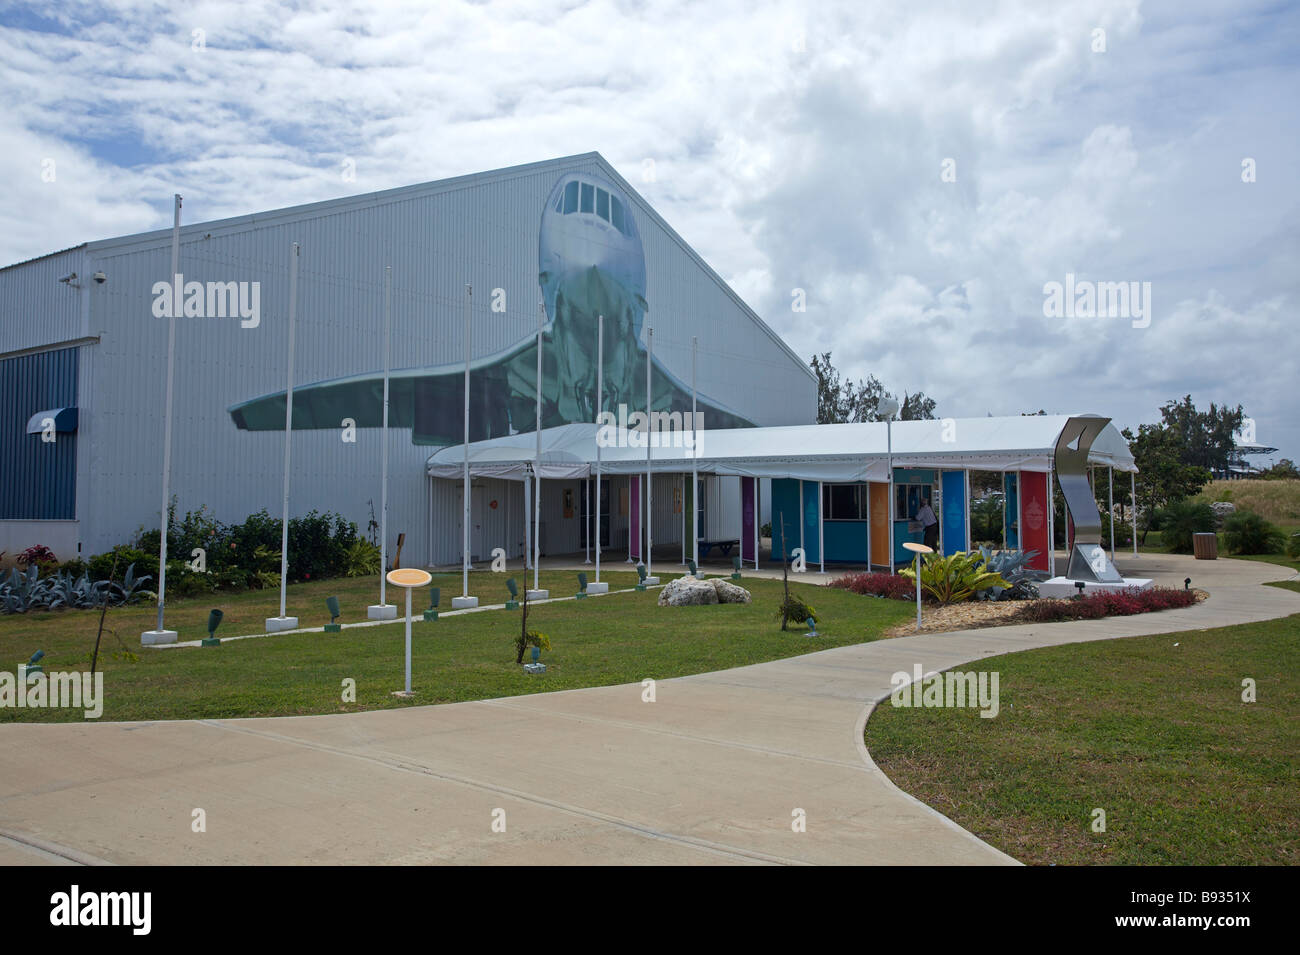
pixel 1088 559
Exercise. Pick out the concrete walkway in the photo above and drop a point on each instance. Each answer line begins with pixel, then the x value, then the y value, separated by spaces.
pixel 714 771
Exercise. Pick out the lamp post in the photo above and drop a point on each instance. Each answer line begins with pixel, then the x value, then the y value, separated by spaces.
pixel 918 550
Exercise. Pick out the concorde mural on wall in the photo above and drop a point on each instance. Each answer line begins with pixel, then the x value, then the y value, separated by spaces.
pixel 591 263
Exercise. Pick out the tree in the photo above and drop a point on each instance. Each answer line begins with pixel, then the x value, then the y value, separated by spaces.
pixel 1284 470
pixel 1164 476
pixel 840 400
pixel 916 407
pixel 1208 436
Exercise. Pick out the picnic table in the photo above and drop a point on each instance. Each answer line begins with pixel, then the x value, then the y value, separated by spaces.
pixel 724 546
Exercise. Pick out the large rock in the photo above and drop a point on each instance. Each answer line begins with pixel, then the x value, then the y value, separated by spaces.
pixel 729 593
pixel 687 591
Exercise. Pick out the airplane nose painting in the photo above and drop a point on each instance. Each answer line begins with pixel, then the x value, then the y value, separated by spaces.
pixel 591 263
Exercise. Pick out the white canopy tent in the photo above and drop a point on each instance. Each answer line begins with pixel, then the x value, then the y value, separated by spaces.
pixel 827 452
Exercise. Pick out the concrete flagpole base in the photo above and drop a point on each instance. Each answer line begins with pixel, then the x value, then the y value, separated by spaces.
pixel 463 603
pixel 542 594
pixel 381 612
pixel 274 624
pixel 600 588
pixel 151 638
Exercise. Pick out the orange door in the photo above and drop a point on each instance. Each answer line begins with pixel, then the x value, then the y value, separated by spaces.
pixel 879 524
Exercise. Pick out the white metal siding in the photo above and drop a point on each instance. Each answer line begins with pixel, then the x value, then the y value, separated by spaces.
pixel 479 230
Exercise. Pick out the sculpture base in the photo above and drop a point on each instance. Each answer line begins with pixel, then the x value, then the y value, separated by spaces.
pixel 1065 587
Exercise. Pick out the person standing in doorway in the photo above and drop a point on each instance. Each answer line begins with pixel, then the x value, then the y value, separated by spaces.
pixel 929 524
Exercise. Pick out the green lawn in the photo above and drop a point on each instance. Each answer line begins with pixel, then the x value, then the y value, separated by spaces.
pixel 599 641
pixel 1155 734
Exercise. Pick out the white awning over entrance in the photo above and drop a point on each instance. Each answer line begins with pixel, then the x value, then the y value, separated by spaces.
pixel 837 453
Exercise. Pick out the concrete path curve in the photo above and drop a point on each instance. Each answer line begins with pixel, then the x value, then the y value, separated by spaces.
pixel 716 770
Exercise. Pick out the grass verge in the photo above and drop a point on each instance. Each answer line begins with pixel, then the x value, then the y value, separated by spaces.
pixel 1151 729
pixel 620 638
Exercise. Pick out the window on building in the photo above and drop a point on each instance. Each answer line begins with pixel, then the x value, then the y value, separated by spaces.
pixel 616 214
pixel 844 502
pixel 588 198
pixel 602 204
pixel 571 197
pixel 908 498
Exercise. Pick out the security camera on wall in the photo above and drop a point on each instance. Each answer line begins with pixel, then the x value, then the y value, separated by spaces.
pixel 100 278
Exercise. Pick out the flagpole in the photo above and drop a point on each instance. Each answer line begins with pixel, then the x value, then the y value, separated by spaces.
pixel 649 494
pixel 695 463
pixel 600 409
pixel 284 622
pixel 382 610
pixel 465 600
pixel 537 593
pixel 159 634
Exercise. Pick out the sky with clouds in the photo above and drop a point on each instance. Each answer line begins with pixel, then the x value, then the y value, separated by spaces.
pixel 921 170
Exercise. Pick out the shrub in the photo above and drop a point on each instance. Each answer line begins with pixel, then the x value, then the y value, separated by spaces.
pixel 1105 603
pixel 956 577
pixel 893 586
pixel 986 520
pixel 38 556
pixel 100 567
pixel 795 609
pixel 362 559
pixel 1293 548
pixel 1245 532
pixel 1180 520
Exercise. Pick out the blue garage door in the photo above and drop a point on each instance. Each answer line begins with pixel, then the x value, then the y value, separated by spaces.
pixel 39 480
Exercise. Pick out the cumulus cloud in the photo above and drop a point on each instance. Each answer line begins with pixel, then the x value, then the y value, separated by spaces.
pixel 794 145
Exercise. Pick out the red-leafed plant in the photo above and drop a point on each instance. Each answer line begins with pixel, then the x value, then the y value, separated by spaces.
pixel 1105 603
pixel 894 586
pixel 39 555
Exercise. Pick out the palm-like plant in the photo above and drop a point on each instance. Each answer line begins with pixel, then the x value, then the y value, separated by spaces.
pixel 956 577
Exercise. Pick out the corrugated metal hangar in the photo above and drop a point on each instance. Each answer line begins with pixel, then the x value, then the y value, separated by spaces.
pixel 83 355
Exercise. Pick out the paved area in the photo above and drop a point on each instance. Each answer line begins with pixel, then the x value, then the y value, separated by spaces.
pixel 714 771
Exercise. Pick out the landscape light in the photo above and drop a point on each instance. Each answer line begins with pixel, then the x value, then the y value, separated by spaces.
pixel 214 621
pixel 332 603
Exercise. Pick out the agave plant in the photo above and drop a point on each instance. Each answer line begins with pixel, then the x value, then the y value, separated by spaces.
pixel 956 577
pixel 1013 566
pixel 24 590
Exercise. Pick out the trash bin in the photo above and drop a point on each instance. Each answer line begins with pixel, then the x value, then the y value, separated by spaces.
pixel 1205 546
